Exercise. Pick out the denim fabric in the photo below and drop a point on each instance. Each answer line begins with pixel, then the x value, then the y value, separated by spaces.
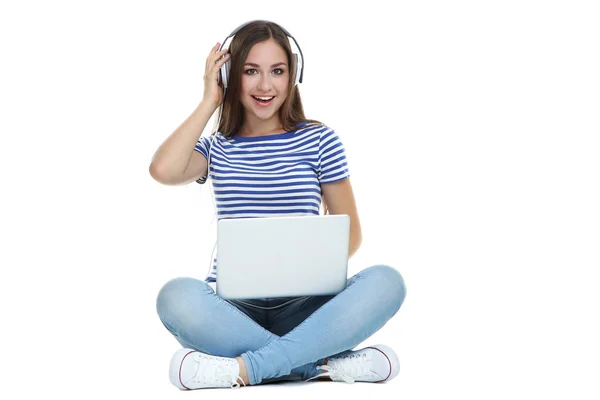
pixel 282 338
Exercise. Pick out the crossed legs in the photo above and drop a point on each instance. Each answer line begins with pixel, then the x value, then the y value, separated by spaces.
pixel 201 320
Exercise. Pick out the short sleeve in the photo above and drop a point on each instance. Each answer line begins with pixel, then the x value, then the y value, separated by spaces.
pixel 332 158
pixel 203 146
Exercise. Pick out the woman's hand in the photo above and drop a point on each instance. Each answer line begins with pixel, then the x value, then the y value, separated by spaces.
pixel 213 90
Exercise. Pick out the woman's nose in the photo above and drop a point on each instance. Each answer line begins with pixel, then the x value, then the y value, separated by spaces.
pixel 264 83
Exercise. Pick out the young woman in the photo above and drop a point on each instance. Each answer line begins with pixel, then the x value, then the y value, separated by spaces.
pixel 267 159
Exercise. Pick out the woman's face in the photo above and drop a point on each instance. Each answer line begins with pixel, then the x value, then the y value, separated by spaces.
pixel 265 79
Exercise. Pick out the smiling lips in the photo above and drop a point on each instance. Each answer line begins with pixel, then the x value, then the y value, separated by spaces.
pixel 263 100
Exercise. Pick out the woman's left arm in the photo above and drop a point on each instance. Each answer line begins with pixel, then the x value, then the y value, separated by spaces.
pixel 340 200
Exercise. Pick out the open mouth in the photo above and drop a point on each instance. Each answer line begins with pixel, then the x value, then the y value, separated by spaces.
pixel 263 100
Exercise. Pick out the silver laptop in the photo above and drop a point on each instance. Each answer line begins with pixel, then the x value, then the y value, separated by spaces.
pixel 282 256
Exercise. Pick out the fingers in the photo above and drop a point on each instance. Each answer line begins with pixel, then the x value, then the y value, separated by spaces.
pixel 216 57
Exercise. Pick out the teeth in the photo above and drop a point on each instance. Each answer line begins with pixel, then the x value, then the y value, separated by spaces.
pixel 264 98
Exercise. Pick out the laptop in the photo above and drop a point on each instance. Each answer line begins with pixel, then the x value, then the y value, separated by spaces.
pixel 282 256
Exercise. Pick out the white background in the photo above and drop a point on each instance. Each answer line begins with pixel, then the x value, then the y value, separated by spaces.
pixel 471 130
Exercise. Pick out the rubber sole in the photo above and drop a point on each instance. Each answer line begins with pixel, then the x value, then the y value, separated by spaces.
pixel 175 367
pixel 392 358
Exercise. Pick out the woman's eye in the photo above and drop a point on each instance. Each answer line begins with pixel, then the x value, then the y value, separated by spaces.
pixel 276 71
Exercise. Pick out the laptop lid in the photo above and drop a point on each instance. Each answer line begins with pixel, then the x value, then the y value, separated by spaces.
pixel 282 256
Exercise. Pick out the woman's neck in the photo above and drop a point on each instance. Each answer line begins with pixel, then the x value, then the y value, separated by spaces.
pixel 261 128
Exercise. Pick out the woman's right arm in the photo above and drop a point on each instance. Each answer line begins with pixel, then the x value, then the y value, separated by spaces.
pixel 176 162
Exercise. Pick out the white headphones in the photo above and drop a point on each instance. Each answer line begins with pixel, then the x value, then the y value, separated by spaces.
pixel 299 60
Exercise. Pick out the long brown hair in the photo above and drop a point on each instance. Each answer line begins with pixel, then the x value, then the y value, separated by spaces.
pixel 291 111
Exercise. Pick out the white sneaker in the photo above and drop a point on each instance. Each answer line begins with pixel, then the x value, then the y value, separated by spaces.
pixel 372 364
pixel 191 369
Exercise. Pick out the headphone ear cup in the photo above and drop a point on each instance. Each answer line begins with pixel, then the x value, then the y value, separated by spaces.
pixel 297 67
pixel 224 73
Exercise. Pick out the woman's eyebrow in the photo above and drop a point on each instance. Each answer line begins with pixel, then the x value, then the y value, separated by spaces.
pixel 272 66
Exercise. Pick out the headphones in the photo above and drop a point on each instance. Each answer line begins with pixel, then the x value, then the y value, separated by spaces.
pixel 299 60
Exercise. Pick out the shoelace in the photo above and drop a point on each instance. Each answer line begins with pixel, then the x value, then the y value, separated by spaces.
pixel 346 368
pixel 210 374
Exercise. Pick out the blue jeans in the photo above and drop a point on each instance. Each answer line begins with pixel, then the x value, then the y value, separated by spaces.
pixel 282 338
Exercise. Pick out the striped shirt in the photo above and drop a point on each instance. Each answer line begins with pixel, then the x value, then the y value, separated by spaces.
pixel 273 175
